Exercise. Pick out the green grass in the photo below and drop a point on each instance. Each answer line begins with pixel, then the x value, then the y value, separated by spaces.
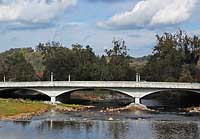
pixel 12 107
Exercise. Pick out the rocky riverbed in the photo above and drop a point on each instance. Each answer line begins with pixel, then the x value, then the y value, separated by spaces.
pixel 18 109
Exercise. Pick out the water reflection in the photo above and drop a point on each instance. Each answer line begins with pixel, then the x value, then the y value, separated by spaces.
pixel 23 124
pixel 98 129
pixel 118 130
pixel 60 125
pixel 175 130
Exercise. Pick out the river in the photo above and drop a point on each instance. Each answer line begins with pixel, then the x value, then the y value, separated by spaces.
pixel 100 125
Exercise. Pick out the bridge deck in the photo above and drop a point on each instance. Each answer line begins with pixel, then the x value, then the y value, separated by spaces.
pixel 101 84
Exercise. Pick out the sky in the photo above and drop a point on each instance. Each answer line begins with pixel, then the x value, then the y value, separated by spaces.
pixel 25 23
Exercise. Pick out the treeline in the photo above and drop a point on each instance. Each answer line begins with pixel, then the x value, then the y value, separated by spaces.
pixel 81 63
pixel 175 58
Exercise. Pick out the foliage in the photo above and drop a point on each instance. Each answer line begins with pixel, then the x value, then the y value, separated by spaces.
pixel 118 65
pixel 185 75
pixel 15 67
pixel 171 52
pixel 175 57
pixel 82 63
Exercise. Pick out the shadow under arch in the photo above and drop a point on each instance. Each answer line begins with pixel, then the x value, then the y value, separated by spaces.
pixel 92 95
pixel 23 93
pixel 172 98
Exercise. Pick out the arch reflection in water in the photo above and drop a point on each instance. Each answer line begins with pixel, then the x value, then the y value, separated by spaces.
pixel 97 129
pixel 79 129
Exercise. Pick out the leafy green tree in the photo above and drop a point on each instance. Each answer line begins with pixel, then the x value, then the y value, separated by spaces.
pixel 185 75
pixel 59 60
pixel 171 52
pixel 118 62
pixel 15 67
pixel 80 62
pixel 87 67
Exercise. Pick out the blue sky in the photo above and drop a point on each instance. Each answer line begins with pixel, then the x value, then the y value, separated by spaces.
pixel 25 23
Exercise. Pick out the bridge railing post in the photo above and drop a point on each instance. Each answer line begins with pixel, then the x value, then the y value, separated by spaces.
pixel 51 76
pixel 69 78
pixel 4 78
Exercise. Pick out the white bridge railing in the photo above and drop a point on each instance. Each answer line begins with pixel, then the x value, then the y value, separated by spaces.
pixel 101 84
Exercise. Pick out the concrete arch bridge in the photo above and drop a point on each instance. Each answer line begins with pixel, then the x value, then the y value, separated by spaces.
pixel 137 90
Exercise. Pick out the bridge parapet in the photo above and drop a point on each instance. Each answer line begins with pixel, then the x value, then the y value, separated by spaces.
pixel 102 84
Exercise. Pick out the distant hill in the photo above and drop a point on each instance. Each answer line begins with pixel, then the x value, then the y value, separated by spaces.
pixel 139 62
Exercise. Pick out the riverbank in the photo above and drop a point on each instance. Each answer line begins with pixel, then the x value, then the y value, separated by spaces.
pixel 19 109
pixel 13 109
pixel 77 108
pixel 192 109
pixel 129 108
pixel 71 107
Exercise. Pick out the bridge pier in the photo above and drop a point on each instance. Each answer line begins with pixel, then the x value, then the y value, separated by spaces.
pixel 53 99
pixel 137 100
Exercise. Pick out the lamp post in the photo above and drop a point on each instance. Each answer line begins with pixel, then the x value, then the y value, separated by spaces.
pixel 51 76
pixel 69 78
pixel 137 77
pixel 4 78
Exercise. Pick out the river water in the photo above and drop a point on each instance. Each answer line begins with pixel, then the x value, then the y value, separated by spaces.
pixel 100 125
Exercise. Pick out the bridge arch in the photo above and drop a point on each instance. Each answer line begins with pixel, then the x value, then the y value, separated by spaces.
pixel 66 94
pixel 172 98
pixel 164 90
pixel 69 91
pixel 25 93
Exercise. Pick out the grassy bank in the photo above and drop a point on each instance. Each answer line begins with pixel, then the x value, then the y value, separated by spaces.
pixel 18 108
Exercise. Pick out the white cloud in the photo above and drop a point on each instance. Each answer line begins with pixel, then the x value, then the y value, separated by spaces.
pixel 151 13
pixel 32 11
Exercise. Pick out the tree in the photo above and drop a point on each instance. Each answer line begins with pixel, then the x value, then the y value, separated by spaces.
pixel 60 61
pixel 171 52
pixel 15 67
pixel 80 62
pixel 118 62
pixel 87 63
pixel 185 75
pixel 119 49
